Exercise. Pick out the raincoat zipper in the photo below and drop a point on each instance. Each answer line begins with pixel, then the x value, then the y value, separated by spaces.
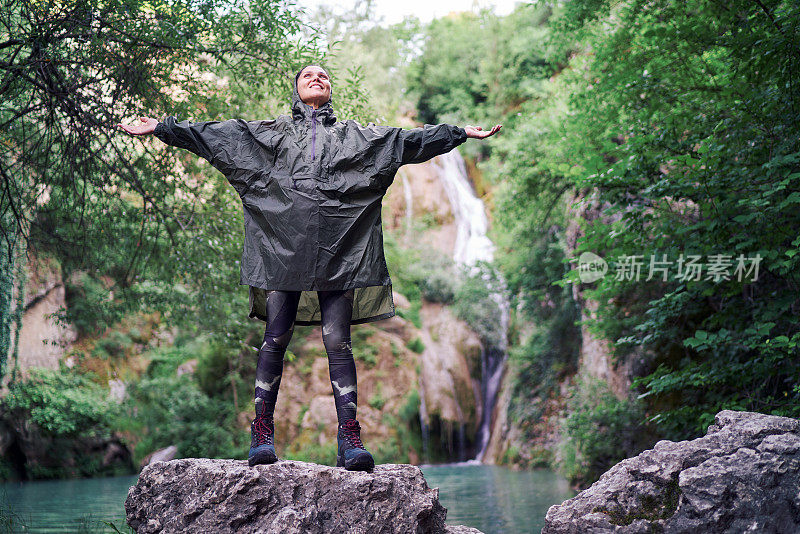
pixel 313 133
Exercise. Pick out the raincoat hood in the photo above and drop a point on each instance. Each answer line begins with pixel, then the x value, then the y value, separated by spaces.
pixel 303 111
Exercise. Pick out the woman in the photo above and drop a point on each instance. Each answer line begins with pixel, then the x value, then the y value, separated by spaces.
pixel 311 189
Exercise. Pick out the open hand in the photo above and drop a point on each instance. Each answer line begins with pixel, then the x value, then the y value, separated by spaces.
pixel 476 132
pixel 146 126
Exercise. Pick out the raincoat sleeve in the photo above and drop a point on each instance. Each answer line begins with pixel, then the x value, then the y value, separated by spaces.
pixel 421 144
pixel 227 145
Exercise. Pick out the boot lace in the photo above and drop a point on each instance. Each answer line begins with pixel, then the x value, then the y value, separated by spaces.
pixel 351 430
pixel 262 427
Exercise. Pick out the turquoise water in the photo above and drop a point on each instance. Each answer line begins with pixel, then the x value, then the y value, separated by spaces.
pixel 78 505
pixel 492 499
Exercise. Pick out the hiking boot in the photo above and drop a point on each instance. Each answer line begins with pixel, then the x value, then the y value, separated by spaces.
pixel 262 450
pixel 351 454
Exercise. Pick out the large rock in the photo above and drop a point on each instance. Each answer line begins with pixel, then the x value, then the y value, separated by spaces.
pixel 742 476
pixel 221 496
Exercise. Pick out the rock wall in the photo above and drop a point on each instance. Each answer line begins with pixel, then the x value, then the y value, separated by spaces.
pixel 595 356
pixel 595 360
pixel 42 341
pixel 452 395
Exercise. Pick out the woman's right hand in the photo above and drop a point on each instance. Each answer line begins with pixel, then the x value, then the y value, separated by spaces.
pixel 146 126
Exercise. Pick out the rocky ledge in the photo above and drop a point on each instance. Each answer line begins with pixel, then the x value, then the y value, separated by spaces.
pixel 221 496
pixel 742 476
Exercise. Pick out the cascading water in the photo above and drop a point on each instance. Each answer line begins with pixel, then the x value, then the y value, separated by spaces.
pixel 474 249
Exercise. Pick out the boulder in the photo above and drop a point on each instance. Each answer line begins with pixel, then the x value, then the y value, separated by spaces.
pixel 226 496
pixel 742 476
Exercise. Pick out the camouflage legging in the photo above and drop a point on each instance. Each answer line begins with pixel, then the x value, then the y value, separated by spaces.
pixel 337 309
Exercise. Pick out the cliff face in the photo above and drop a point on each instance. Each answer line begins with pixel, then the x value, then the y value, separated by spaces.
pixel 42 340
pixel 540 441
pixel 595 354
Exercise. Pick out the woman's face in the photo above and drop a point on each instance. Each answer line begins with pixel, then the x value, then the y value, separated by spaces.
pixel 314 86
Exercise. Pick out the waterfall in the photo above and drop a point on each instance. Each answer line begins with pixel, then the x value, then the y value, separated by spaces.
pixel 472 248
pixel 423 420
pixel 472 243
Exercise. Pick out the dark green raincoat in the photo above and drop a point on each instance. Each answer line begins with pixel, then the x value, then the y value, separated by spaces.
pixel 311 188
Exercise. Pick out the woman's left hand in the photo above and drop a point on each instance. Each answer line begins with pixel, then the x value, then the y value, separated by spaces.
pixel 476 132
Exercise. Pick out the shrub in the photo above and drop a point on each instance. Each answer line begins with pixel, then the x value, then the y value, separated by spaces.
pixel 416 345
pixel 61 404
pixel 599 431
pixel 172 410
pixel 377 401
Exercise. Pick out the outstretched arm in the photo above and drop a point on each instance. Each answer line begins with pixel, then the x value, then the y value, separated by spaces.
pixel 222 143
pixel 421 144
pixel 229 145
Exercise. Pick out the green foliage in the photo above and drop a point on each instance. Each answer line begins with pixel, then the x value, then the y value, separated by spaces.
pixel 213 368
pixel 475 68
pixel 377 401
pixel 427 273
pixel 114 345
pixel 409 411
pixel 13 278
pixel 693 148
pixel 367 354
pixel 475 304
pixel 436 277
pixel 599 431
pixel 379 53
pixel 90 306
pixel 405 438
pixel 161 227
pixel 416 345
pixel 324 454
pixel 164 361
pixel 652 129
pixel 62 404
pixel 163 411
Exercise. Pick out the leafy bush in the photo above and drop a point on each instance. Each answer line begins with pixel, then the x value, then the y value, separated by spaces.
pixel 72 415
pixel 163 411
pixel 416 345
pixel 213 368
pixel 90 307
pixel 475 304
pixel 377 401
pixel 64 404
pixel 114 345
pixel 599 431
pixel 164 361
pixel 409 411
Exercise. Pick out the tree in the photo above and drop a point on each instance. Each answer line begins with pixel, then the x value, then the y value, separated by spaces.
pixel 71 69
